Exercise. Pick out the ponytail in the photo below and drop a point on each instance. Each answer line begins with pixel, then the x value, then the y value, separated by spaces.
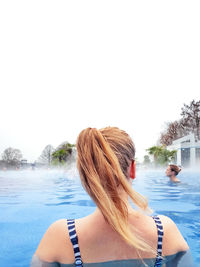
pixel 103 159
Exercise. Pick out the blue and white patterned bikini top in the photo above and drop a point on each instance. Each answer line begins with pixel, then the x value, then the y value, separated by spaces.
pixel 77 254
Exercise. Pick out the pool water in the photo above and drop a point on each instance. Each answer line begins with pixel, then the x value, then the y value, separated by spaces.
pixel 31 200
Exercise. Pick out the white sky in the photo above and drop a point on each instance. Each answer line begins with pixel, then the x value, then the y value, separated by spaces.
pixel 68 65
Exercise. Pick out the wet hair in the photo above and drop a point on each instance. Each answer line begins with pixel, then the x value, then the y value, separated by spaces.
pixel 175 168
pixel 104 157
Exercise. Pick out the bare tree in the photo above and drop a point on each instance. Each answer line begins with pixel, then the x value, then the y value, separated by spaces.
pixel 173 131
pixel 191 117
pixel 12 156
pixel 165 139
pixel 189 123
pixel 46 155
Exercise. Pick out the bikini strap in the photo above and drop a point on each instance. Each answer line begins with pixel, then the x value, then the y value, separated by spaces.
pixel 74 239
pixel 159 226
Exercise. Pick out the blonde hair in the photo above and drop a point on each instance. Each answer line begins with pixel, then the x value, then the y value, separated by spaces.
pixel 104 157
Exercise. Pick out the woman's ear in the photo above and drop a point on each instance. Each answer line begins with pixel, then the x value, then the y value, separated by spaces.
pixel 132 174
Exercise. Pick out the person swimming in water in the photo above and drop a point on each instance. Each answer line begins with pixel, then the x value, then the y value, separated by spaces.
pixel 172 171
pixel 115 234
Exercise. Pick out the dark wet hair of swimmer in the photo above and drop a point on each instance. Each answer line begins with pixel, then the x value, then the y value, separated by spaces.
pixel 175 168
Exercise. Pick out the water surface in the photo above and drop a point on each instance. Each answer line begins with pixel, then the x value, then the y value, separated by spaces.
pixel 31 200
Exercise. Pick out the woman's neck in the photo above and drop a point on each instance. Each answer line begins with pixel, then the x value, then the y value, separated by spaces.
pixel 174 179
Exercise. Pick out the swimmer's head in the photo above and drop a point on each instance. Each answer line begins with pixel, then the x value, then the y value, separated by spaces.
pixel 173 170
pixel 105 152
pixel 105 160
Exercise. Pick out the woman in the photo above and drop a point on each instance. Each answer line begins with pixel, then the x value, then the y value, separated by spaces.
pixel 172 171
pixel 115 234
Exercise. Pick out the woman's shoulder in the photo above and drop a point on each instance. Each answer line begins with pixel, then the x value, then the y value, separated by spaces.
pixel 55 243
pixel 173 240
pixel 56 229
